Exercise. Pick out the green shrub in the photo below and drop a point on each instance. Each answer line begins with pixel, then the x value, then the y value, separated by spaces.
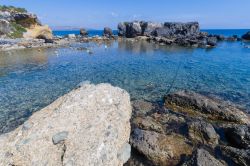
pixel 18 30
pixel 12 9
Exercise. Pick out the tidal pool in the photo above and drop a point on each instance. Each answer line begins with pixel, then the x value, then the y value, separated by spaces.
pixel 32 79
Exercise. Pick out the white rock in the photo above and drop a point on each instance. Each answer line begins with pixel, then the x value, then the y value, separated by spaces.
pixel 74 130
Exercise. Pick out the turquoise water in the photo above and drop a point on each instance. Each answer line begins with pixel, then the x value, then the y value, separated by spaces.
pixel 32 79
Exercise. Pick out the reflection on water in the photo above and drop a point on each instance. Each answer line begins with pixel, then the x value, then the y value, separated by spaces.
pixel 32 79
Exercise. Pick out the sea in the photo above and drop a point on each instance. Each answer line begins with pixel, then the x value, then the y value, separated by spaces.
pixel 31 79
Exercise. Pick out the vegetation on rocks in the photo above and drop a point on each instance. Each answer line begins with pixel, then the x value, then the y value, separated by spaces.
pixel 12 9
pixel 17 30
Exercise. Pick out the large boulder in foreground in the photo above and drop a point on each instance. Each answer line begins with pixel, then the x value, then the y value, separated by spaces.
pixel 195 104
pixel 246 36
pixel 88 126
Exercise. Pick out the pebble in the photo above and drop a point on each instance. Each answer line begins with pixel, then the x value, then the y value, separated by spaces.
pixel 59 137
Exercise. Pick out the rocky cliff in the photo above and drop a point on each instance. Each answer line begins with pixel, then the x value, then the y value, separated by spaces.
pixel 88 126
pixel 18 23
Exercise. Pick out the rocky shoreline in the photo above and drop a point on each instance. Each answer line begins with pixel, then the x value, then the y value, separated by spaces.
pixel 190 130
pixel 173 33
pixel 97 124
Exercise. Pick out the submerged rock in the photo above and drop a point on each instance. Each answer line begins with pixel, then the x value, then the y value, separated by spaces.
pixel 88 126
pixel 195 104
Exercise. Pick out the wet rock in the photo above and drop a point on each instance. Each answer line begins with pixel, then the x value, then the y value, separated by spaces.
pixel 159 148
pixel 202 133
pixel 238 136
pixel 107 32
pixel 236 156
pixel 202 157
pixel 212 41
pixel 88 126
pixel 246 36
pixel 83 32
pixel 147 123
pixel 194 105
pixel 141 107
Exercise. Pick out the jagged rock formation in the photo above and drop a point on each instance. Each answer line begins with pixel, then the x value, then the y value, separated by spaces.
pixel 184 34
pixel 246 36
pixel 88 126
pixel 18 23
pixel 107 32
pixel 190 129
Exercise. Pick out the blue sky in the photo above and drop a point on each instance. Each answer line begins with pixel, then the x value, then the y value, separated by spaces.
pixel 99 13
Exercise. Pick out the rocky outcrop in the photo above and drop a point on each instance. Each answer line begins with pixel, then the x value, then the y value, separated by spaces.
pixel 39 32
pixel 198 105
pixel 190 129
pixel 83 32
pixel 4 27
pixel 88 126
pixel 19 23
pixel 202 133
pixel 160 149
pixel 246 36
pixel 169 33
pixel 107 32
pixel 202 157
pixel 236 156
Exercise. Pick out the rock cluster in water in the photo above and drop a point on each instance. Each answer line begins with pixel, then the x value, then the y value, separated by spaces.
pixel 246 36
pixel 189 130
pixel 171 33
pixel 88 126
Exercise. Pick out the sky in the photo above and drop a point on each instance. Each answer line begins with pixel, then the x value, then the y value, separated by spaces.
pixel 96 14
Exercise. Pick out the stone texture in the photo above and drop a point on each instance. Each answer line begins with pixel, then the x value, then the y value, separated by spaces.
pixel 160 149
pixel 88 126
pixel 196 104
pixel 4 27
pixel 239 157
pixel 203 133
pixel 238 136
pixel 37 31
pixel 202 157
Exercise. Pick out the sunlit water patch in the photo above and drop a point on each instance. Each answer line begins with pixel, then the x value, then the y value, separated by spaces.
pixel 32 79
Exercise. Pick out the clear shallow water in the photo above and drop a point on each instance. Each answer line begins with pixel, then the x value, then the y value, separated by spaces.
pixel 32 79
